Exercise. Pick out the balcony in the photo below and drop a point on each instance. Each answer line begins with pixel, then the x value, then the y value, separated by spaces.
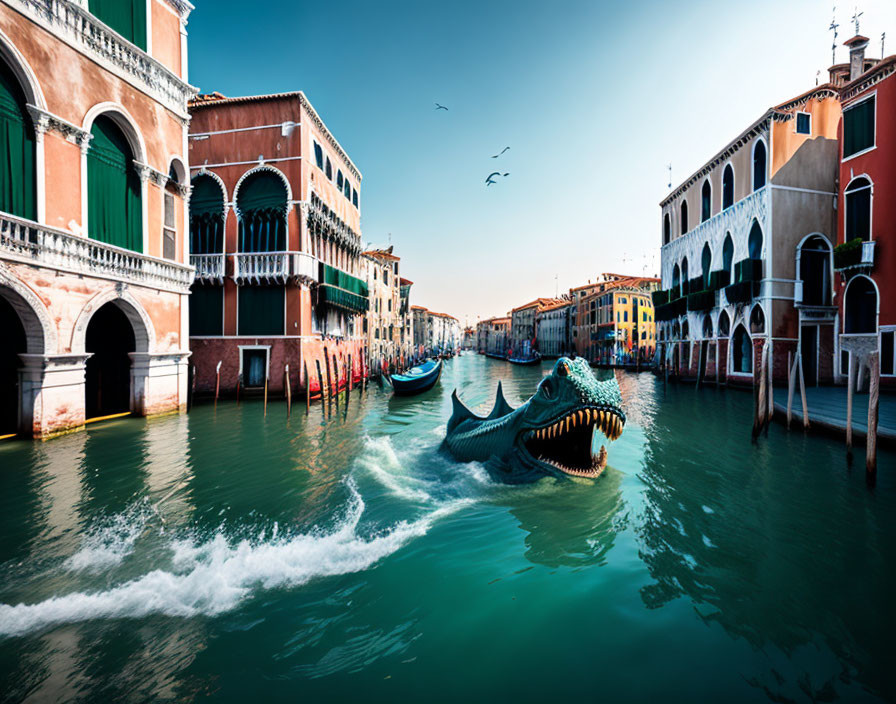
pixel 274 267
pixel 38 245
pixel 747 277
pixel 77 27
pixel 209 267
pixel 854 255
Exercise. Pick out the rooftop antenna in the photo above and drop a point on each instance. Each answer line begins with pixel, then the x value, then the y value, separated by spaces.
pixel 855 18
pixel 833 28
pixel 669 167
pixel 883 36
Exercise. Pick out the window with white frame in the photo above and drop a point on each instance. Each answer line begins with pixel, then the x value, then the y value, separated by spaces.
pixel 803 123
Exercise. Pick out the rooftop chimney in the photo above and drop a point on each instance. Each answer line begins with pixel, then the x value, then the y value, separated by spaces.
pixel 856 55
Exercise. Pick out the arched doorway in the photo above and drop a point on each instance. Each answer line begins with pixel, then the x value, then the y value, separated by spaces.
pixel 742 351
pixel 14 343
pixel 814 262
pixel 860 307
pixel 109 340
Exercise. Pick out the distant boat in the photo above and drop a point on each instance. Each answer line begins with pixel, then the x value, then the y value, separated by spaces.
pixel 417 379
pixel 532 358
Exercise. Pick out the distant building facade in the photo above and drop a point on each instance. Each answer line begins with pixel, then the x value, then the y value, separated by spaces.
pixel 383 323
pixel 554 329
pixel 522 324
pixel 620 322
pixel 94 270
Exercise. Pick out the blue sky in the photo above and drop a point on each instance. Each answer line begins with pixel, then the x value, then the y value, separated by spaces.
pixel 594 99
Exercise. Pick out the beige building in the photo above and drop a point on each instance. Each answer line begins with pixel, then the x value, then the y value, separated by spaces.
pixel 385 324
pixel 733 234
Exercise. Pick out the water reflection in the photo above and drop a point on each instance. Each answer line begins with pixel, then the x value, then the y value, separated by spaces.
pixel 575 524
pixel 770 542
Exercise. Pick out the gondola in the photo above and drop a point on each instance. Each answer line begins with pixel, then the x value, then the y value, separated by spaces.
pixel 417 379
pixel 530 359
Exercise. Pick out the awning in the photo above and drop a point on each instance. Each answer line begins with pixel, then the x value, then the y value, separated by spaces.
pixel 343 290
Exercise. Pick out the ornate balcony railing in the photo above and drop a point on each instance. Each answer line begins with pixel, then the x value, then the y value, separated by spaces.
pixel 274 267
pixel 209 267
pixel 77 27
pixel 30 243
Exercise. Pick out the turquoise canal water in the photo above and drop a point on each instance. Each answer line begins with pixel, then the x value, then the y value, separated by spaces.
pixel 227 556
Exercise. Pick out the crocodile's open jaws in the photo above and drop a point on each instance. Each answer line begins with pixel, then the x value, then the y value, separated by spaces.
pixel 567 442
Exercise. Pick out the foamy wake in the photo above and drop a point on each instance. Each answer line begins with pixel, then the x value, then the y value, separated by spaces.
pixel 110 541
pixel 215 576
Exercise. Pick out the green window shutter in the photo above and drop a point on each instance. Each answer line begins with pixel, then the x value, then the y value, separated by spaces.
pixel 18 182
pixel 206 216
pixel 127 17
pixel 858 128
pixel 261 310
pixel 207 310
pixel 115 214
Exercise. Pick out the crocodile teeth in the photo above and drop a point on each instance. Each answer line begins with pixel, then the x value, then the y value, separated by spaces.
pixel 567 424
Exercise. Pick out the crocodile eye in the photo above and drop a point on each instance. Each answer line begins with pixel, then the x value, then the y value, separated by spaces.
pixel 547 388
pixel 563 370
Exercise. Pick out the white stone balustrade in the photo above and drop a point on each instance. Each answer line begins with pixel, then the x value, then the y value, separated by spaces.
pixel 39 245
pixel 209 267
pixel 258 267
pixel 76 26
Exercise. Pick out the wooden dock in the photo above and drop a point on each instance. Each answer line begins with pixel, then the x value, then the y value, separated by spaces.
pixel 827 411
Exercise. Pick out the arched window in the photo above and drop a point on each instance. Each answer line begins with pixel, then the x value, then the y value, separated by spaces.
pixel 759 165
pixel 18 183
pixel 706 263
pixel 754 241
pixel 685 330
pixel 684 217
pixel 705 201
pixel 339 179
pixel 127 17
pixel 114 205
pixel 676 331
pixel 206 216
pixel 329 169
pixel 667 229
pixel 814 257
pixel 707 327
pixel 676 280
pixel 757 320
pixel 261 205
pixel 742 351
pixel 724 324
pixel 727 187
pixel 347 189
pixel 860 306
pixel 858 209
pixel 728 257
pixel 684 277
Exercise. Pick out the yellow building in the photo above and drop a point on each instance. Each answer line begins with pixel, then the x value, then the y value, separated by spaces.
pixel 618 322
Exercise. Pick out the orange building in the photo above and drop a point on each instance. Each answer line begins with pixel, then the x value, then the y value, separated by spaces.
pixel 276 241
pixel 94 271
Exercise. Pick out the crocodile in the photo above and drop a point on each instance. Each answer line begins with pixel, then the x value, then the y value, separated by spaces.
pixel 551 434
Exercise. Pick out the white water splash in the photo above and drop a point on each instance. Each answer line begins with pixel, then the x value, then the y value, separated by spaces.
pixel 107 543
pixel 215 576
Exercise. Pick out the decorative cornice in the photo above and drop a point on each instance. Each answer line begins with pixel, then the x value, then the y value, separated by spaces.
pixel 876 75
pixel 784 112
pixel 315 118
pixel 183 8
pixel 46 121
pixel 757 129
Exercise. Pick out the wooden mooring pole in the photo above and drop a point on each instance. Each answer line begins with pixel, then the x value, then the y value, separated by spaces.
pixel 799 359
pixel 307 390
pixel 791 382
pixel 320 382
pixel 288 392
pixel 336 380
pixel 217 382
pixel 265 395
pixel 873 409
pixel 850 390
pixel 329 377
pixel 759 393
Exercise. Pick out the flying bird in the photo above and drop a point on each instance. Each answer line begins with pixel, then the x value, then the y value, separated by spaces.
pixel 490 180
pixel 440 107
pixel 501 152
